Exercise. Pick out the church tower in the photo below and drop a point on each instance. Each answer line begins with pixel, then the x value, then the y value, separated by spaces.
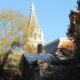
pixel 35 34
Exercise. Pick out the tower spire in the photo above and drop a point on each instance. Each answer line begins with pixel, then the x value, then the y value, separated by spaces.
pixel 34 32
pixel 32 6
pixel 33 20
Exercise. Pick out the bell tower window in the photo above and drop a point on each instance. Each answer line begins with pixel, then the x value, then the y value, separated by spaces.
pixel 35 36
pixel 39 36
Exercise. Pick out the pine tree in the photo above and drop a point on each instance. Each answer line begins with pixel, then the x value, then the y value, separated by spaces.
pixel 74 29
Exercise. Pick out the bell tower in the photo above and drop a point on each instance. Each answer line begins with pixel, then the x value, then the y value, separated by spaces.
pixel 34 31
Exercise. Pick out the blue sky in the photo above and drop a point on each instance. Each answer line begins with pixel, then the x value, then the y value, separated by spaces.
pixel 52 15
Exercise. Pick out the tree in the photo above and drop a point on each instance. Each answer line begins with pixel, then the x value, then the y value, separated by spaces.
pixel 74 29
pixel 13 27
pixel 30 48
pixel 14 44
pixel 13 31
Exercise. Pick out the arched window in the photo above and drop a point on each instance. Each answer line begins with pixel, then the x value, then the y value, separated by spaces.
pixel 35 36
pixel 39 36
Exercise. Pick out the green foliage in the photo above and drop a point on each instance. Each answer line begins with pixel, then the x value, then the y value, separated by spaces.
pixel 13 27
pixel 13 30
pixel 74 31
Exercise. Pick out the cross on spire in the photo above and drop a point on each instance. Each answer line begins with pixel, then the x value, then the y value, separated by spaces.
pixel 32 6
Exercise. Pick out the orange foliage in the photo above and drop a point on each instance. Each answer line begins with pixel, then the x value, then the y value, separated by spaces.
pixel 30 49
pixel 67 43
pixel 15 57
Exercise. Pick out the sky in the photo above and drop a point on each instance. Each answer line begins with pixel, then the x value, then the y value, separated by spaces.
pixel 52 15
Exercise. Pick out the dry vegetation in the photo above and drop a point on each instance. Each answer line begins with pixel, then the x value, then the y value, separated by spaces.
pixel 11 69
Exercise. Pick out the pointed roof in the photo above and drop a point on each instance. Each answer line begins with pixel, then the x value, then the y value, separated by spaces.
pixel 32 20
